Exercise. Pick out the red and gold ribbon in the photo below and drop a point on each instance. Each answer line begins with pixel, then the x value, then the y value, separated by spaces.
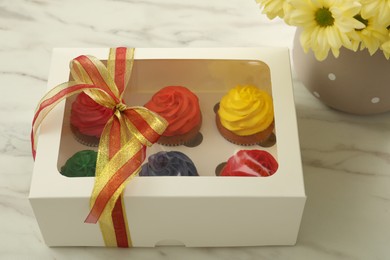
pixel 122 143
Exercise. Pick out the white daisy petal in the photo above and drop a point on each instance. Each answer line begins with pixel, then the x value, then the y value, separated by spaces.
pixel 328 25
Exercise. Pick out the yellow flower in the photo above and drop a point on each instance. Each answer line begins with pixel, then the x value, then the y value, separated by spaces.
pixel 386 47
pixel 272 8
pixel 377 8
pixel 371 37
pixel 325 24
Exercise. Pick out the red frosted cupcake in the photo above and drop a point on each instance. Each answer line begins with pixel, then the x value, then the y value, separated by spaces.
pixel 180 107
pixel 87 119
pixel 253 163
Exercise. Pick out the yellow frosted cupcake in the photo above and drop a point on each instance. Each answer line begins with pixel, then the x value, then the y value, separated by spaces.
pixel 246 115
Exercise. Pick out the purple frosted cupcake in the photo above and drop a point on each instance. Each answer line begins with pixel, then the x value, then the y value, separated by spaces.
pixel 171 163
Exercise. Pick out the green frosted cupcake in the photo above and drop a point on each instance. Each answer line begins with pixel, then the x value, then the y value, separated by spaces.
pixel 81 164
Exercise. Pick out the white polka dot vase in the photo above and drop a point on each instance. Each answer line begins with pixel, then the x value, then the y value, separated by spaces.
pixel 355 82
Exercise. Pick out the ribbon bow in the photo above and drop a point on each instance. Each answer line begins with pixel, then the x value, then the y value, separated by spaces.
pixel 123 141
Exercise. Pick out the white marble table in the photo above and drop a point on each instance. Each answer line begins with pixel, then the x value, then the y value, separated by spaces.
pixel 346 158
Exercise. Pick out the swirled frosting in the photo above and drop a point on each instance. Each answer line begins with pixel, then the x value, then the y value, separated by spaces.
pixel 255 163
pixel 179 106
pixel 88 116
pixel 246 110
pixel 171 163
pixel 81 164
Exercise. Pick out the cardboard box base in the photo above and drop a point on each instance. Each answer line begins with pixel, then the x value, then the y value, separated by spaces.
pixel 191 211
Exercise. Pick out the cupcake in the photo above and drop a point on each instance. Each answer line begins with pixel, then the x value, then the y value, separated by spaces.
pixel 253 163
pixel 180 107
pixel 87 119
pixel 246 115
pixel 81 164
pixel 169 164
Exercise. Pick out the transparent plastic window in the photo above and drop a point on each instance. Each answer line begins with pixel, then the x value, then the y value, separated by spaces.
pixel 212 151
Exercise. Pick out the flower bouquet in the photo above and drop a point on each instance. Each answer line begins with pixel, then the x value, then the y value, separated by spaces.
pixel 331 24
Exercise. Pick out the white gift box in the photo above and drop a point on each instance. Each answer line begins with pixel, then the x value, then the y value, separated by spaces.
pixel 208 210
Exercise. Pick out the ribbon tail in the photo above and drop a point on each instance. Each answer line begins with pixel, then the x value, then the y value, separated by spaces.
pixel 104 202
pixel 122 168
pixel 116 166
pixel 114 226
pixel 119 220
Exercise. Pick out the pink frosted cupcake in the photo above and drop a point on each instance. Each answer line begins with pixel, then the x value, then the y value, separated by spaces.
pixel 88 119
pixel 251 163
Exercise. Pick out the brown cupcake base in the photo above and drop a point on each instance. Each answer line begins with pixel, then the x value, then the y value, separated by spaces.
pixel 254 139
pixel 180 139
pixel 87 140
pixel 176 140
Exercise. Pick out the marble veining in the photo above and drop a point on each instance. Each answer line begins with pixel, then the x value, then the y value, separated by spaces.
pixel 346 158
